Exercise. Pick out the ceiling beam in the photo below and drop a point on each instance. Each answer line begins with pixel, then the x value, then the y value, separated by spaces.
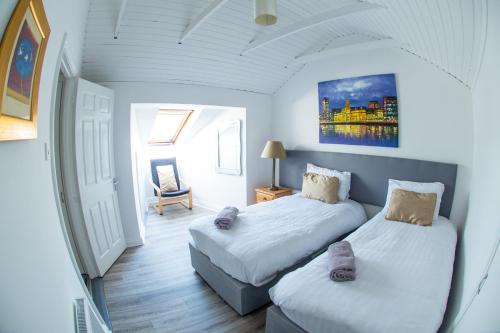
pixel 205 14
pixel 346 49
pixel 309 23
pixel 119 19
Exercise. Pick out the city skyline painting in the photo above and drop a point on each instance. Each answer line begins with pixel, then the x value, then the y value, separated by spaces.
pixel 359 111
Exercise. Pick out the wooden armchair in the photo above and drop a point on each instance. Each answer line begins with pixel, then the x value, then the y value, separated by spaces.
pixel 183 196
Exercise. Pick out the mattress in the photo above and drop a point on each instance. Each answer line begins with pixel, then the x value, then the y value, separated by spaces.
pixel 269 237
pixel 403 279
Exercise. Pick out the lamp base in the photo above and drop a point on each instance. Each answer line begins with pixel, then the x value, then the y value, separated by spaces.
pixel 273 188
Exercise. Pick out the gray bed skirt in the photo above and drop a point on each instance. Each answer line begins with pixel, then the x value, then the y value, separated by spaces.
pixel 277 322
pixel 242 297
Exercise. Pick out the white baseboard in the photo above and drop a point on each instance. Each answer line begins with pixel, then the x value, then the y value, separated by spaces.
pixel 134 243
pixel 137 241
pixel 206 204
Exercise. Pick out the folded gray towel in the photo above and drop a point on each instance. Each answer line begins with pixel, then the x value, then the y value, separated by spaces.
pixel 341 262
pixel 225 219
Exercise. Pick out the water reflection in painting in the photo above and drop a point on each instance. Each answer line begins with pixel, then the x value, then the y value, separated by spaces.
pixel 368 135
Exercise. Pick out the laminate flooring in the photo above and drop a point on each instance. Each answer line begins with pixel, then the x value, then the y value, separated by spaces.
pixel 153 288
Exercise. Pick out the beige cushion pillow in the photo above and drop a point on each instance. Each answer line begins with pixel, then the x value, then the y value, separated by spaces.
pixel 320 187
pixel 166 176
pixel 412 207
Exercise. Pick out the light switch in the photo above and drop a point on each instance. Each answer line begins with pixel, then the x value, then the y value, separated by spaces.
pixel 47 151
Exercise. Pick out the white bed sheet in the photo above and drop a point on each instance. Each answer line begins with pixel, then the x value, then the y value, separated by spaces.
pixel 403 279
pixel 269 237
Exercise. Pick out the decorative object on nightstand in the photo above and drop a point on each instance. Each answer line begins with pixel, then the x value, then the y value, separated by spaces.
pixel 264 194
pixel 274 150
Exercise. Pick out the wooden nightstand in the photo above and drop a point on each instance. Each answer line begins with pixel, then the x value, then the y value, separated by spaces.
pixel 264 194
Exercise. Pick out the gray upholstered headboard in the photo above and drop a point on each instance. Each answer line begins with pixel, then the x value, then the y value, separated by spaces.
pixel 370 174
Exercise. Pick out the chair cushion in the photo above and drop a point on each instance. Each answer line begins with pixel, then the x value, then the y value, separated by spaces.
pixel 182 191
pixel 154 171
pixel 167 179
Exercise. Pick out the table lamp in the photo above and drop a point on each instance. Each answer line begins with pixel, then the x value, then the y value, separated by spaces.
pixel 274 150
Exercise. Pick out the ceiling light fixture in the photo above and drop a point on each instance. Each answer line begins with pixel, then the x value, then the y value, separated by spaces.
pixel 265 12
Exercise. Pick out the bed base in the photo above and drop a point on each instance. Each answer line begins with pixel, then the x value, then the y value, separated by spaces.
pixel 278 322
pixel 242 297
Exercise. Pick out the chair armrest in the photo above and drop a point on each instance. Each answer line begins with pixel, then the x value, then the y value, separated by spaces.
pixel 157 189
pixel 183 183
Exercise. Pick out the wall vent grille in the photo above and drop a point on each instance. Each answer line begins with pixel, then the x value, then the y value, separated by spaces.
pixel 80 315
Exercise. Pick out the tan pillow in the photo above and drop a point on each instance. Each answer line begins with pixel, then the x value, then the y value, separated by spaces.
pixel 412 207
pixel 320 187
pixel 166 177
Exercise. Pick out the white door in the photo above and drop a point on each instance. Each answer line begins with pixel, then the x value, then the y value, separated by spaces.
pixel 96 172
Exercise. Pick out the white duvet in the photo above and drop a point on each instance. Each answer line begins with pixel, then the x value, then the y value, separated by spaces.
pixel 269 237
pixel 403 279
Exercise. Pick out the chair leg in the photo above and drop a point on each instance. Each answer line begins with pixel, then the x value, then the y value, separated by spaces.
pixel 156 208
pixel 187 202
pixel 159 207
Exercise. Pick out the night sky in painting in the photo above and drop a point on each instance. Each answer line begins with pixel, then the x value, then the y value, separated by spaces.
pixel 359 90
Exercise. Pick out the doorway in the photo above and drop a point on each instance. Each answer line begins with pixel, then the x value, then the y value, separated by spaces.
pixel 196 149
pixel 60 153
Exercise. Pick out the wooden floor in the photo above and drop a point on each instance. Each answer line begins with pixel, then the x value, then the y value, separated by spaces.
pixel 153 288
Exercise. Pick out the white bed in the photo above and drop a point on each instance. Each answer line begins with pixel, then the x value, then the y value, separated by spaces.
pixel 403 279
pixel 269 237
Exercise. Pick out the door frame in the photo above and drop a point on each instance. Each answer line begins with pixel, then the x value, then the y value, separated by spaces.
pixel 59 109
pixel 64 168
pixel 65 65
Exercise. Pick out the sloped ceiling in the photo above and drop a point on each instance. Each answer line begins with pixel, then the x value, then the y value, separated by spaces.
pixel 449 34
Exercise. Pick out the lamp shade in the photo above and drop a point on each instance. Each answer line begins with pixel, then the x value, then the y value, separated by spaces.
pixel 265 12
pixel 273 149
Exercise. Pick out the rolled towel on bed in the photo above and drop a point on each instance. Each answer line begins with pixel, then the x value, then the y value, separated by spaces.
pixel 226 217
pixel 341 265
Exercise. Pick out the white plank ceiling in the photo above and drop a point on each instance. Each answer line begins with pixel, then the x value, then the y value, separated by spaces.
pixel 448 34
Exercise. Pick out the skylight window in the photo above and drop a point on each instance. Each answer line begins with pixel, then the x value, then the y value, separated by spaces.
pixel 168 125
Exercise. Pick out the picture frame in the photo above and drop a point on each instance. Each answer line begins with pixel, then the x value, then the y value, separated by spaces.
pixel 229 148
pixel 22 51
pixel 362 110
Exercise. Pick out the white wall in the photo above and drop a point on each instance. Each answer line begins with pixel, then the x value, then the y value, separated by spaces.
pixel 258 128
pixel 482 229
pixel 138 175
pixel 38 281
pixel 435 118
pixel 197 159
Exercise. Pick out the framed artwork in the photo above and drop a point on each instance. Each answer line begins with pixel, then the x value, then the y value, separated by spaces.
pixel 359 111
pixel 229 148
pixel 21 59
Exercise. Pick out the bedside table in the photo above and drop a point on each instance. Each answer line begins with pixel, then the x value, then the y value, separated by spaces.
pixel 264 194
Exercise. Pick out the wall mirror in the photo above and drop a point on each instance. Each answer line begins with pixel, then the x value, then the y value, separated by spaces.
pixel 229 148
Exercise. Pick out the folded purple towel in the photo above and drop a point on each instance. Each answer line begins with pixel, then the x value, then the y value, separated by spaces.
pixel 225 219
pixel 341 262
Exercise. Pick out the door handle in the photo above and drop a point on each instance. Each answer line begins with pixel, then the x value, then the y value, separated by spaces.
pixel 115 184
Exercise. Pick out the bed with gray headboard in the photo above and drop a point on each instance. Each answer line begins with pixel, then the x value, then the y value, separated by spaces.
pixel 370 176
pixel 369 180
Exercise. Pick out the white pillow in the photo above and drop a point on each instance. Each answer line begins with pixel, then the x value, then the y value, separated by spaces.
pixel 166 176
pixel 344 179
pixel 437 188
